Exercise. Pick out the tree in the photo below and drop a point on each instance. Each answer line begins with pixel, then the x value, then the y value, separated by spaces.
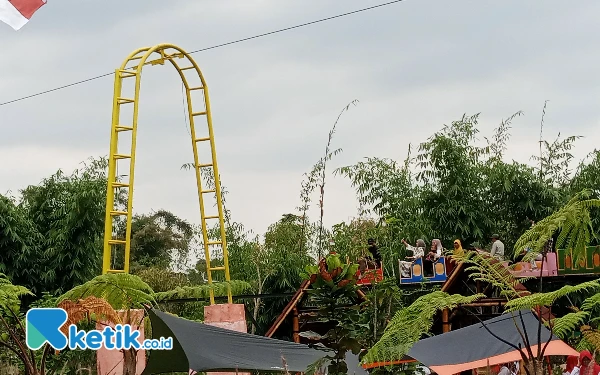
pixel 283 263
pixel 20 245
pixel 389 190
pixel 51 236
pixel 587 176
pixel 451 174
pixel 555 161
pixel 68 211
pixel 514 195
pixel 160 239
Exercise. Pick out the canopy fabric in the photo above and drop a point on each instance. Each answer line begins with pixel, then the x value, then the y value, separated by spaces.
pixel 201 348
pixel 474 346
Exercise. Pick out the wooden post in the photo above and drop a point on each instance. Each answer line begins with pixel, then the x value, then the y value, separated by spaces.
pixel 445 321
pixel 296 326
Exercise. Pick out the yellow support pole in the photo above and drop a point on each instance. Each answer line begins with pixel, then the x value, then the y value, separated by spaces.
pixel 139 58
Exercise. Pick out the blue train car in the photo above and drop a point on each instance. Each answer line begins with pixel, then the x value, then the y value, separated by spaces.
pixel 417 275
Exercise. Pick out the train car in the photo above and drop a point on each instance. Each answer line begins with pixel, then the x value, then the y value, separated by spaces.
pixel 369 276
pixel 588 265
pixel 417 275
pixel 561 263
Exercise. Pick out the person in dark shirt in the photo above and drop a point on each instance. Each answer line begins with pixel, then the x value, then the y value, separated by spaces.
pixel 374 250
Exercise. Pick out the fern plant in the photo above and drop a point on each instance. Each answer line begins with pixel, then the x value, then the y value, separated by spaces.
pixel 411 323
pixel 13 336
pixel 573 223
pixel 122 291
pixel 584 318
pixel 481 266
pixel 534 300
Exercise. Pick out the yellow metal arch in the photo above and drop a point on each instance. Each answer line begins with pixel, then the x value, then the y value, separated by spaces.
pixel 132 68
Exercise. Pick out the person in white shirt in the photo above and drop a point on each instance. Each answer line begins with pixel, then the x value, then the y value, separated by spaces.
pixel 497 250
pixel 418 252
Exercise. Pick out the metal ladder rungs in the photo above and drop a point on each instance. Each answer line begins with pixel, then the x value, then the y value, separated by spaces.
pixel 220 268
pixel 121 128
pixel 202 139
pixel 199 113
pixel 211 217
pixel 115 271
pixel 121 156
pixel 125 100
pixel 188 68
pixel 208 191
pixel 205 165
pixel 119 184
pixel 214 243
pixel 118 213
pixel 117 242
pixel 196 88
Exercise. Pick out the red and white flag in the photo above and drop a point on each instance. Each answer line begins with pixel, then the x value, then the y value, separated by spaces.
pixel 16 13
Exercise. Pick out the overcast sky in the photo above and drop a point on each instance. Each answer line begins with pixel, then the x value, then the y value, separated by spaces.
pixel 413 65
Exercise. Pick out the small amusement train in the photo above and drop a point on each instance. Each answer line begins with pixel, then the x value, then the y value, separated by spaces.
pixel 559 263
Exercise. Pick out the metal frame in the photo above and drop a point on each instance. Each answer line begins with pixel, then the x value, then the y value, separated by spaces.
pixel 139 58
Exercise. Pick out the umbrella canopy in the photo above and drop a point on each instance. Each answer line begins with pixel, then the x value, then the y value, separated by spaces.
pixel 471 347
pixel 201 347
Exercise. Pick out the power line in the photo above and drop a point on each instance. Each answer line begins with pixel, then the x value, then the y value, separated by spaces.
pixel 213 47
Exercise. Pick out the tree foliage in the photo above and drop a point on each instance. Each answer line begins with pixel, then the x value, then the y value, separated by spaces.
pixel 459 187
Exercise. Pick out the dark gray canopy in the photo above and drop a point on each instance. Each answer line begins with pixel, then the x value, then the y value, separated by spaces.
pixel 474 346
pixel 201 347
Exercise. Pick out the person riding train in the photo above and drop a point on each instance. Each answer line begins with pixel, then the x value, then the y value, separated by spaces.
pixel 432 257
pixel 418 252
pixel 373 261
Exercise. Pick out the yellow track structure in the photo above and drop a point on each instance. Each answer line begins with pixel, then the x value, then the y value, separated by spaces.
pixel 132 68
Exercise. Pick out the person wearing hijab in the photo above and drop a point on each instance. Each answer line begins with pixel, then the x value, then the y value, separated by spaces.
pixel 572 362
pixel 458 249
pixel 434 254
pixel 418 252
pixel 436 250
pixel 586 365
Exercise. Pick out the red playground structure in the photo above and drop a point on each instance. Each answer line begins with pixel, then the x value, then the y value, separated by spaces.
pixel 369 276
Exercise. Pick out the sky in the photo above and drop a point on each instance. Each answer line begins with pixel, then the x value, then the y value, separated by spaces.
pixel 414 66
